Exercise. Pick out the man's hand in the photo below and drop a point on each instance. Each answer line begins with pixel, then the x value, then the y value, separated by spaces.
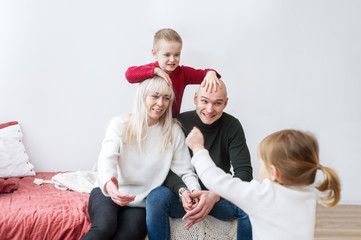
pixel 195 140
pixel 207 199
pixel 160 73
pixel 211 81
pixel 187 201
pixel 121 199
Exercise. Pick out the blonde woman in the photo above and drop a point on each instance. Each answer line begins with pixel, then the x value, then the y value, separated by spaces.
pixel 137 153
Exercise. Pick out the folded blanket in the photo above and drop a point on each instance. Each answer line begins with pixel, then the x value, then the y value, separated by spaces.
pixel 78 181
pixel 8 185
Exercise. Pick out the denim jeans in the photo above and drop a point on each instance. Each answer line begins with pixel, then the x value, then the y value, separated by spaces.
pixel 111 221
pixel 162 203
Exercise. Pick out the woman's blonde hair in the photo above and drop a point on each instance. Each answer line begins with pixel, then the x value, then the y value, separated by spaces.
pixel 295 154
pixel 137 127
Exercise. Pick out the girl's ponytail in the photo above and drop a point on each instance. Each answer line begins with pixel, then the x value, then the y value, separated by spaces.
pixel 331 184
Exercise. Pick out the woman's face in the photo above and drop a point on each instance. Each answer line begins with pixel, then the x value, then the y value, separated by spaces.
pixel 156 105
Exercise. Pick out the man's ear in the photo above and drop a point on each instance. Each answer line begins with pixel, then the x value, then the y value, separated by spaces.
pixel 195 98
pixel 274 173
pixel 154 53
pixel 225 103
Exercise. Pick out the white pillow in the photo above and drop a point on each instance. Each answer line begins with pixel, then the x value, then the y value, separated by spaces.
pixel 14 161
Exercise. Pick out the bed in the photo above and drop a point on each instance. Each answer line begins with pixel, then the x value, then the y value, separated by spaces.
pixel 41 211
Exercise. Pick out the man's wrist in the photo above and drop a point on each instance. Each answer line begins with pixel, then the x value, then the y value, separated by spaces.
pixel 181 191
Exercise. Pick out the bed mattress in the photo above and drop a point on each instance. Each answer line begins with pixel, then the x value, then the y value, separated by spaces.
pixel 43 212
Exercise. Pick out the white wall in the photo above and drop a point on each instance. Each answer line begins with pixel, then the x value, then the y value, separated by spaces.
pixel 287 64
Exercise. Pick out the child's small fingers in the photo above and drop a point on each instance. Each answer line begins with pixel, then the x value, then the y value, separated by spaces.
pixel 166 80
pixel 205 86
pixel 204 83
pixel 215 86
pixel 211 87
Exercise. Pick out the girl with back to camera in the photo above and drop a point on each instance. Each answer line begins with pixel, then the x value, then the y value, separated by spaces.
pixel 283 204
pixel 137 153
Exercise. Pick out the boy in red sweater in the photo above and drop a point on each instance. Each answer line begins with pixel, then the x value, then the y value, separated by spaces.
pixel 167 47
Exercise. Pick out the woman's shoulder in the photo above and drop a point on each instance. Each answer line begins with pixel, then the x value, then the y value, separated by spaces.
pixel 119 121
pixel 176 126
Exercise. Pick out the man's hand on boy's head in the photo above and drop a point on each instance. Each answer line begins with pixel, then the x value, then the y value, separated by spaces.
pixel 211 81
pixel 160 73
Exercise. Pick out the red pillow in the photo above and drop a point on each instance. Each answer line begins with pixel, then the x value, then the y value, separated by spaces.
pixel 8 185
pixel 4 125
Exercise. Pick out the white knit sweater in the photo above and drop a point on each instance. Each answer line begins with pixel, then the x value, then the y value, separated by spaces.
pixel 140 172
pixel 275 211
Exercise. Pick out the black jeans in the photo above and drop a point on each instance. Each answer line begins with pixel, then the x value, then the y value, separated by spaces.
pixel 111 221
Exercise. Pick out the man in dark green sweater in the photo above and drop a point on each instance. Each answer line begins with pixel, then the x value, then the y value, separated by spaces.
pixel 226 143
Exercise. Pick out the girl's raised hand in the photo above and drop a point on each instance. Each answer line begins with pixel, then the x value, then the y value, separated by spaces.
pixel 195 140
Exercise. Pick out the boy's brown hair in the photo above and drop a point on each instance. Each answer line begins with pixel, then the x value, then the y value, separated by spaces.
pixel 166 34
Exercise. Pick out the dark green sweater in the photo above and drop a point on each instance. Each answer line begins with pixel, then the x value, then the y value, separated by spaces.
pixel 226 143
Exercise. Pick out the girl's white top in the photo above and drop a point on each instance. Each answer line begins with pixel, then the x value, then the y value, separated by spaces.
pixel 276 212
pixel 139 172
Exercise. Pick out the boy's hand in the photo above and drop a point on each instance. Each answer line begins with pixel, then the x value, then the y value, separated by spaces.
pixel 118 198
pixel 195 140
pixel 211 81
pixel 160 73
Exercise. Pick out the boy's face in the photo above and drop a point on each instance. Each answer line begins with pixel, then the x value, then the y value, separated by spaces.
pixel 168 55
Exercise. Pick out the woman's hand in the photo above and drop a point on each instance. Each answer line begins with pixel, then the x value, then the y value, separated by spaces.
pixel 195 140
pixel 118 198
pixel 211 81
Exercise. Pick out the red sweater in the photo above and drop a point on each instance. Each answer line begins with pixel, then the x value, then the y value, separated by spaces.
pixel 181 77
